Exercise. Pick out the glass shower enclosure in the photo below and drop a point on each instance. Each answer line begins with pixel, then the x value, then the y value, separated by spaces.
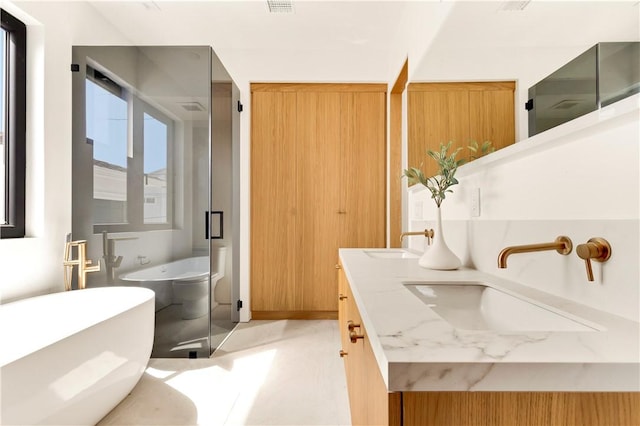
pixel 153 174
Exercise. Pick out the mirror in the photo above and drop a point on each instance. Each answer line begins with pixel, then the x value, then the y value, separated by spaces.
pixel 461 112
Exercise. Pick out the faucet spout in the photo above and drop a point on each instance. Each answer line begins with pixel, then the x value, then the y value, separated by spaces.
pixel 84 265
pixel 428 234
pixel 111 261
pixel 562 245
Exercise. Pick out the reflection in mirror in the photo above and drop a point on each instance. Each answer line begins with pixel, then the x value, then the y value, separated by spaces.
pixel 604 74
pixel 565 94
pixel 461 113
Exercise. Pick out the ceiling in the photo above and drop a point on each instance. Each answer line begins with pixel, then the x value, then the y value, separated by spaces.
pixel 364 40
pixel 320 41
pixel 361 40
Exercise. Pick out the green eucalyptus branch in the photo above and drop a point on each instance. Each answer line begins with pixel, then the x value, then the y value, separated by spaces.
pixel 438 185
pixel 480 150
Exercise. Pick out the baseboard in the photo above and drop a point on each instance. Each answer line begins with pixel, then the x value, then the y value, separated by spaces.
pixel 297 315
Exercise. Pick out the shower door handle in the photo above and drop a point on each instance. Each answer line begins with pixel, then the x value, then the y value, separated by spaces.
pixel 211 233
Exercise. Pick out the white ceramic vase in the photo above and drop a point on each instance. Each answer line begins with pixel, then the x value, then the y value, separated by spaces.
pixel 439 256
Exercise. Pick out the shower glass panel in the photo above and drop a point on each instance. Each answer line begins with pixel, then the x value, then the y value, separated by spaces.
pixel 143 182
pixel 225 142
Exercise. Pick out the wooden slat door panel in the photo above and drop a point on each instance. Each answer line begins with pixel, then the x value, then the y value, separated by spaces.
pixel 318 138
pixel 436 117
pixel 273 203
pixel 492 115
pixel 317 184
pixel 362 164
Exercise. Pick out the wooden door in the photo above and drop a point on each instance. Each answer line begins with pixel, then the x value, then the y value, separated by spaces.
pixel 460 113
pixel 318 180
pixel 274 203
pixel 363 160
pixel 317 184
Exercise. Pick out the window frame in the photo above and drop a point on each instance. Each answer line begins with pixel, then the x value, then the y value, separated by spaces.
pixel 16 125
pixel 135 166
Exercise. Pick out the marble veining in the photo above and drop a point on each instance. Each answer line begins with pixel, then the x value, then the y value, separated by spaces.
pixel 418 350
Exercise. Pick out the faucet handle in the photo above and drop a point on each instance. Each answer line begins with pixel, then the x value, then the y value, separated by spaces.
pixel 597 249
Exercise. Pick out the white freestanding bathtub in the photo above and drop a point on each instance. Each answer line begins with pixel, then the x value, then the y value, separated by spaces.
pixel 189 278
pixel 188 269
pixel 71 357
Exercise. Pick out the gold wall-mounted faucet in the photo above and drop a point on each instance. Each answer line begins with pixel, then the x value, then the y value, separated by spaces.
pixel 562 245
pixel 427 233
pixel 84 266
pixel 596 249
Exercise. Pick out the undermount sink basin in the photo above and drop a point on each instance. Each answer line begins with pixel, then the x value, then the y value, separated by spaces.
pixel 478 306
pixel 391 254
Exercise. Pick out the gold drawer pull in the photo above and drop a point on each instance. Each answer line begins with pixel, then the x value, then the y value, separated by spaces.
pixel 341 297
pixel 352 326
pixel 338 266
pixel 355 336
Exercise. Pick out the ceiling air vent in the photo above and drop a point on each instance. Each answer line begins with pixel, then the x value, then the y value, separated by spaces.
pixel 191 106
pixel 280 6
pixel 565 104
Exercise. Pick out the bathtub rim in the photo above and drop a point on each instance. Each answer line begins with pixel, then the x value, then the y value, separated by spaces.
pixel 54 335
pixel 127 276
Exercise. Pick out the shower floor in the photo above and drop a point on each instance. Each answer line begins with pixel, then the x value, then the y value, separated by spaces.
pixel 176 337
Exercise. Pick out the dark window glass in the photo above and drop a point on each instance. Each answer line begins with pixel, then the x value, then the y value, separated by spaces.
pixel 13 49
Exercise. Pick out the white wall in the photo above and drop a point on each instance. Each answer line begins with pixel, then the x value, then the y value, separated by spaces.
pixel 580 179
pixel 33 265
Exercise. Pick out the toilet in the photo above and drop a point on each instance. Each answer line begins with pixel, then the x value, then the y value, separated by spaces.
pixel 192 292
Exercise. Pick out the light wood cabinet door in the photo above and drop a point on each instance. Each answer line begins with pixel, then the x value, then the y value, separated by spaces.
pixel 459 113
pixel 362 164
pixel 317 184
pixel 274 201
pixel 318 139
pixel 369 401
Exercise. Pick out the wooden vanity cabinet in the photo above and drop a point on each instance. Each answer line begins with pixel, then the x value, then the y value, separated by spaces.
pixel 372 404
pixel 369 401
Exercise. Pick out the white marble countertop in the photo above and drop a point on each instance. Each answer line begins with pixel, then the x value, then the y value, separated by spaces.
pixel 417 350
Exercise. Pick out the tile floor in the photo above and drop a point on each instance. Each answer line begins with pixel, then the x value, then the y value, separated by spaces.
pixel 266 373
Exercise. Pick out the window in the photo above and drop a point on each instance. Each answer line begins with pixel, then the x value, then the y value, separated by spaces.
pixel 13 50
pixel 156 139
pixel 131 142
pixel 107 121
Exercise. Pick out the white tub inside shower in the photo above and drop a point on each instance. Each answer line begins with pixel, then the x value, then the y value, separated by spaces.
pixel 184 282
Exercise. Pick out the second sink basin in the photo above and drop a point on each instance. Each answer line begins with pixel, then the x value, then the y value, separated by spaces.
pixel 390 254
pixel 478 306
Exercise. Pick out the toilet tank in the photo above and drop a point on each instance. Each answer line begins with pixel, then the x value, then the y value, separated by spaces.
pixel 218 259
